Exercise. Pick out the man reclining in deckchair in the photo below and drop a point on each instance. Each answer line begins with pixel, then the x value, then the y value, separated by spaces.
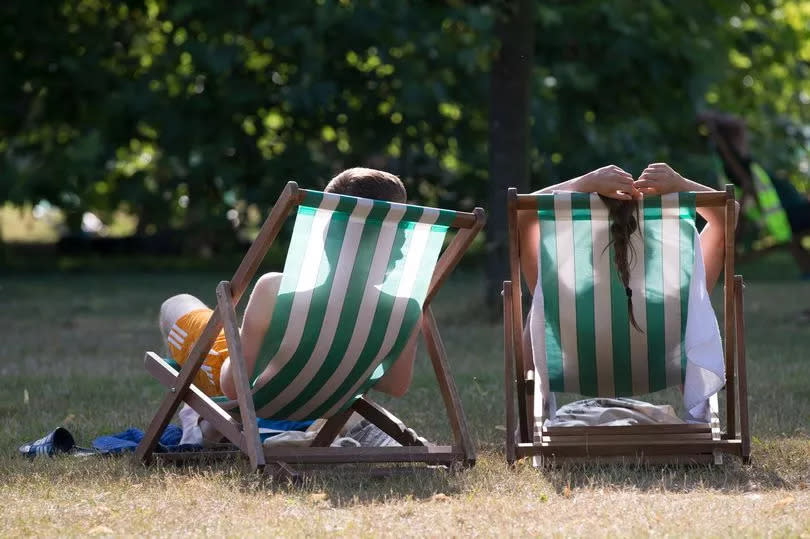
pixel 619 191
pixel 183 317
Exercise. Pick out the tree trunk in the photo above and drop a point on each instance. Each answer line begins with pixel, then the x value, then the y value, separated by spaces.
pixel 510 83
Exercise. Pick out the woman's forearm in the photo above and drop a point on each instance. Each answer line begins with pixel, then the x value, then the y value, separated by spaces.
pixel 580 184
pixel 713 235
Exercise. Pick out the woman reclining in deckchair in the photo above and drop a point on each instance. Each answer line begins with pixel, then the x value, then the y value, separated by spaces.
pixel 620 193
pixel 615 185
pixel 183 317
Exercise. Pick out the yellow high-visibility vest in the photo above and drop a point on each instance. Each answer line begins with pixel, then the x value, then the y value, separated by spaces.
pixel 767 212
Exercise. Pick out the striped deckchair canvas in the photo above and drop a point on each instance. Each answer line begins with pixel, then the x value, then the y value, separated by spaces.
pixel 589 345
pixel 356 288
pixel 579 337
pixel 355 279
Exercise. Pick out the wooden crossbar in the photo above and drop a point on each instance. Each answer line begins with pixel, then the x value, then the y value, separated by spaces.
pixel 611 448
pixel 462 219
pixel 703 199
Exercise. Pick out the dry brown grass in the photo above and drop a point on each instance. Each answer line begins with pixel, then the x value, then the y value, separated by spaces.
pixel 67 498
pixel 75 344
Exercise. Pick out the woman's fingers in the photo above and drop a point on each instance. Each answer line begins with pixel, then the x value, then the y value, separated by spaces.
pixel 623 185
pixel 614 182
pixel 619 171
pixel 656 169
pixel 645 181
pixel 648 183
pixel 652 175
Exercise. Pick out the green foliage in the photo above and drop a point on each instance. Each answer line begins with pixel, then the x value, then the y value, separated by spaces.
pixel 181 111
pixel 766 79
pixel 618 84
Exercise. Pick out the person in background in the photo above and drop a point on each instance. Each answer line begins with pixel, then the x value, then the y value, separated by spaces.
pixel 769 201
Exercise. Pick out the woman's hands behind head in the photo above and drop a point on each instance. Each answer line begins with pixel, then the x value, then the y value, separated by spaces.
pixel 610 181
pixel 613 182
pixel 660 179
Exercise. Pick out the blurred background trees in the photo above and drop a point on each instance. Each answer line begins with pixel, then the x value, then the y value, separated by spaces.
pixel 188 113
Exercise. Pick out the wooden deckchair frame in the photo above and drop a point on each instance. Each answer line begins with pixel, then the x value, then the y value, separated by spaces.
pixel 655 443
pixel 244 434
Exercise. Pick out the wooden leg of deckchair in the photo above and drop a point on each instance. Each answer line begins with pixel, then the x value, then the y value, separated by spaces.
pixel 172 399
pixel 509 379
pixel 452 401
pixel 742 379
pixel 253 443
pixel 453 253
pixel 199 401
pixel 728 314
pixel 331 429
pixel 522 364
pixel 387 422
pixel 241 278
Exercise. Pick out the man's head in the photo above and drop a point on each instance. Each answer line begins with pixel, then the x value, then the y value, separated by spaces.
pixel 368 183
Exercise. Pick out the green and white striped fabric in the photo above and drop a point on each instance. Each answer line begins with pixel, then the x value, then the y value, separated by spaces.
pixel 355 279
pixel 581 319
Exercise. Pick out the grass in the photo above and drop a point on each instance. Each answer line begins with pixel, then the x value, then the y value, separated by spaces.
pixel 72 348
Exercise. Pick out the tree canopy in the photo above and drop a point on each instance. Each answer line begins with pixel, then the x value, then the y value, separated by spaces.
pixel 181 111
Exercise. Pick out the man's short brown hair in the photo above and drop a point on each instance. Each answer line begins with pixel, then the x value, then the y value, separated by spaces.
pixel 368 183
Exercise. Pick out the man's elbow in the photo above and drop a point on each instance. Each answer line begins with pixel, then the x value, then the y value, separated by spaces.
pixel 394 387
pixel 226 384
pixel 399 390
pixel 229 391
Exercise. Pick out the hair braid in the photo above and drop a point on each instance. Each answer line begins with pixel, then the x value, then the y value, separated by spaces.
pixel 624 217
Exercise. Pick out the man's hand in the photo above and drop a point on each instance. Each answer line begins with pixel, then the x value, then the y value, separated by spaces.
pixel 610 181
pixel 660 179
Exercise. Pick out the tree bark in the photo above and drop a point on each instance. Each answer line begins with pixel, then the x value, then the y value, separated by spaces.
pixel 510 83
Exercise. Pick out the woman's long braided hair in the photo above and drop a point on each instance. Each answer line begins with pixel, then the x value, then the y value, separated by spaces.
pixel 624 222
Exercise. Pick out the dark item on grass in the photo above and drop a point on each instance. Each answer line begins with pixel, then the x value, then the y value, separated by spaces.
pixel 58 440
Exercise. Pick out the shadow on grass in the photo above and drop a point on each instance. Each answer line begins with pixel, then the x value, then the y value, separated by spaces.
pixel 343 485
pixel 771 468
pixel 350 485
pixel 339 486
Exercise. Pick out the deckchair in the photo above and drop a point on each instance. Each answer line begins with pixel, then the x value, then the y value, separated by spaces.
pixel 359 277
pixel 582 341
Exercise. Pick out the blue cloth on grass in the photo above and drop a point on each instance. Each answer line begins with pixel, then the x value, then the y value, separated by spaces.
pixel 170 439
pixel 128 440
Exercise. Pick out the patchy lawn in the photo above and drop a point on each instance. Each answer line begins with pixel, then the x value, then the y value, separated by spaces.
pixel 71 355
